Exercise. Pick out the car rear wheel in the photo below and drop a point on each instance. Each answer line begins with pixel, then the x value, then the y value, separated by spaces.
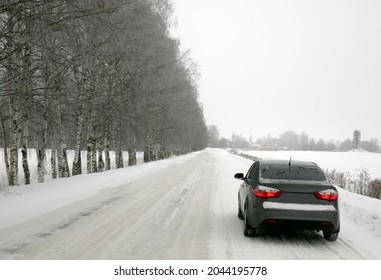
pixel 330 236
pixel 248 230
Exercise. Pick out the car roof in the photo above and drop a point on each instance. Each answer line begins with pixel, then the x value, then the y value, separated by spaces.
pixel 286 162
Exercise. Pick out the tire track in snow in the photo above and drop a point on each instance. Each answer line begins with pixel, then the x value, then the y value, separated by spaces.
pixel 178 202
pixel 173 221
pixel 38 237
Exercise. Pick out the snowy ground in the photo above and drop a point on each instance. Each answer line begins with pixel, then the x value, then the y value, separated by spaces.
pixel 351 162
pixel 32 162
pixel 181 208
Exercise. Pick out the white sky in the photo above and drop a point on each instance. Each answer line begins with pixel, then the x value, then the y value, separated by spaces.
pixel 274 65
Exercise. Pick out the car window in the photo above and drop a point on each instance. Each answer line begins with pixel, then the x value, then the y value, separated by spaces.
pixel 284 172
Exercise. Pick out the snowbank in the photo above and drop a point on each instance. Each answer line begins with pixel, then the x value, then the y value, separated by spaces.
pixel 24 202
pixel 361 210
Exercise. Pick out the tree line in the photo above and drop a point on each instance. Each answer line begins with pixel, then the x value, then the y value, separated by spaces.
pixel 95 75
pixel 360 182
pixel 303 142
pixel 288 140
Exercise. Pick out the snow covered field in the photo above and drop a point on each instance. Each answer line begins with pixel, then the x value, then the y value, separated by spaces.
pixel 351 162
pixel 180 208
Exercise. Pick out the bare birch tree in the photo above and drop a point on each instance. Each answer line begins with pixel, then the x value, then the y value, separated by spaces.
pixel 94 75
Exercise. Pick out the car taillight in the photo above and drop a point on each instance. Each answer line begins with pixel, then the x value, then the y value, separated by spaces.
pixel 330 195
pixel 265 192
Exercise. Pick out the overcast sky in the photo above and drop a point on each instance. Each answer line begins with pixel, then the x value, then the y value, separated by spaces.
pixel 274 65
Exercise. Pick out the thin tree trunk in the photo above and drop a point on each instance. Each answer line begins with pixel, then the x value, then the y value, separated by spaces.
pixel 88 155
pixel 25 57
pixel 24 152
pixel 91 153
pixel 41 148
pixel 101 164
pixel 94 153
pixel 147 148
pixel 14 139
pixel 119 156
pixel 90 143
pixel 107 151
pixel 5 146
pixel 40 164
pixel 53 161
pixel 132 152
pixel 77 163
pixel 118 152
pixel 63 166
pixel 108 122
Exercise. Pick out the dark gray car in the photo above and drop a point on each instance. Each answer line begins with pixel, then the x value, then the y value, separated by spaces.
pixel 291 194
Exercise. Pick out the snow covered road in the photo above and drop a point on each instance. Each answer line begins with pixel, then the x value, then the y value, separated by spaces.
pixel 180 208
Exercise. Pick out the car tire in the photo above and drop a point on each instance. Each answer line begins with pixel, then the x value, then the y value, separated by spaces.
pixel 248 230
pixel 330 236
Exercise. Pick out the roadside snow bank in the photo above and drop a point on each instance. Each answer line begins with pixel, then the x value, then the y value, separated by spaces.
pixel 25 202
pixel 361 210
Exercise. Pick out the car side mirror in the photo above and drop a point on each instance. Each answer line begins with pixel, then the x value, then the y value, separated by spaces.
pixel 239 176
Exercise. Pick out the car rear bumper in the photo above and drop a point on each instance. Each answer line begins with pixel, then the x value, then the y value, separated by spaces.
pixel 298 216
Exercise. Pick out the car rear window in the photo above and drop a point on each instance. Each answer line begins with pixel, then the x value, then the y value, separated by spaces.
pixel 284 172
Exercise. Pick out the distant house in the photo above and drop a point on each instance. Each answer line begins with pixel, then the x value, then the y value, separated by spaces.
pixel 268 146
